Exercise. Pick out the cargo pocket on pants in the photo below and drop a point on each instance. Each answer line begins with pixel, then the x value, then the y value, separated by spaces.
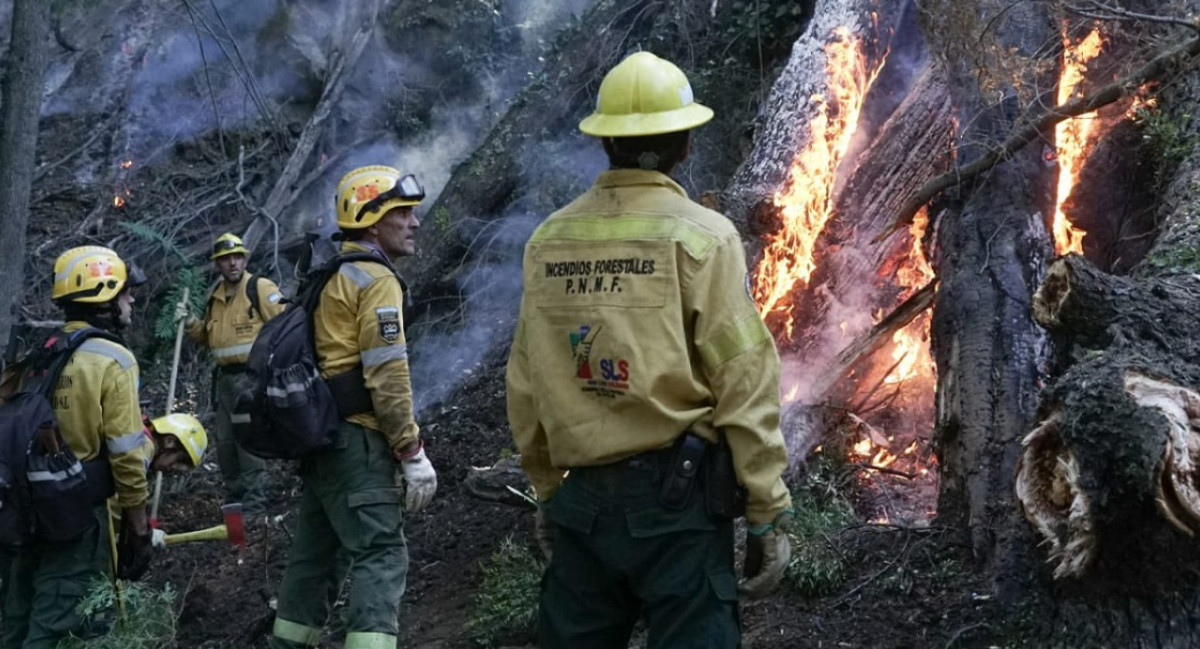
pixel 377 512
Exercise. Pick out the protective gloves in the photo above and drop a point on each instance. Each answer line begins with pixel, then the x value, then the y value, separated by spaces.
pixel 158 538
pixel 543 531
pixel 420 480
pixel 182 312
pixel 768 552
pixel 134 547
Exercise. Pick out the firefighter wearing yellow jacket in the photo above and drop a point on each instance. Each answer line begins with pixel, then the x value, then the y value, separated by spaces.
pixel 237 308
pixel 352 497
pixel 638 348
pixel 96 404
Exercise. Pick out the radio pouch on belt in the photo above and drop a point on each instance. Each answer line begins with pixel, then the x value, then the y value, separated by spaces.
pixel 685 466
pixel 723 495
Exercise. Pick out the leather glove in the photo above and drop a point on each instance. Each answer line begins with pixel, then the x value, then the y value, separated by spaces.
pixel 135 546
pixel 182 312
pixel 420 480
pixel 767 557
pixel 543 531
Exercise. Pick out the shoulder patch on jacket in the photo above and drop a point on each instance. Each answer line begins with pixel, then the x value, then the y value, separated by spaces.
pixel 389 323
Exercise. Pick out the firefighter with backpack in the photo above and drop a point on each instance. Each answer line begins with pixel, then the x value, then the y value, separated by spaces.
pixel 93 391
pixel 352 498
pixel 237 307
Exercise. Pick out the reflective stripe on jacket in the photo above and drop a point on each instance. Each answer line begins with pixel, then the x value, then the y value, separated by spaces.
pixel 636 324
pixel 359 320
pixel 96 403
pixel 229 325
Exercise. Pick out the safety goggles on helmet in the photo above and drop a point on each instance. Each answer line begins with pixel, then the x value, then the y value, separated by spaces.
pixel 222 247
pixel 406 189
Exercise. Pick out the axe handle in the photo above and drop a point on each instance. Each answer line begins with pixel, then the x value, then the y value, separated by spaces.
pixel 215 533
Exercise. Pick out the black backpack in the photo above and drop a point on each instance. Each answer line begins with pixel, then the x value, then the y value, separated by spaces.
pixel 46 493
pixel 283 408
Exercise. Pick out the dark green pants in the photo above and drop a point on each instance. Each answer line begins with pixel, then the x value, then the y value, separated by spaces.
pixel 44 584
pixel 244 474
pixel 619 555
pixel 351 502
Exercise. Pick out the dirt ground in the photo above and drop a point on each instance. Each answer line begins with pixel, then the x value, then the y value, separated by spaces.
pixel 907 587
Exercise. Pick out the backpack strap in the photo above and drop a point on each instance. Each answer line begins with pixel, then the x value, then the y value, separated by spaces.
pixel 58 349
pixel 252 295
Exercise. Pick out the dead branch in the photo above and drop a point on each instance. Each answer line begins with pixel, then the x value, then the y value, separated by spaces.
pixel 870 341
pixel 1153 70
pixel 1102 11
pixel 285 190
pixel 884 469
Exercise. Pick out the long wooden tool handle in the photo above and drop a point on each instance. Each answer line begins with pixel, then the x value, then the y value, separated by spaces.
pixel 158 476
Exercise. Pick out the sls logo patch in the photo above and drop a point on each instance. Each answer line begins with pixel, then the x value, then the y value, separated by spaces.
pixel 389 323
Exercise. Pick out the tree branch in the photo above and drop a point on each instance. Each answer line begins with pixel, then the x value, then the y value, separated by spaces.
pixel 1153 70
pixel 1101 11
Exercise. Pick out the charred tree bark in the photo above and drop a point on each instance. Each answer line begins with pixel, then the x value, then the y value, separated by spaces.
pixel 991 248
pixel 20 108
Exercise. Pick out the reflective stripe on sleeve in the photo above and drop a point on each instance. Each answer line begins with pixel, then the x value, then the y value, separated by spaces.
pixel 239 417
pixel 109 349
pixel 697 242
pixel 381 355
pixel 227 352
pixel 125 443
pixel 732 341
pixel 294 632
pixel 360 277
pixel 368 640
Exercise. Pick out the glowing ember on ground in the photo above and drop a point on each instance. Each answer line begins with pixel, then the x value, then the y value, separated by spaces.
pixel 118 201
pixel 1074 137
pixel 806 204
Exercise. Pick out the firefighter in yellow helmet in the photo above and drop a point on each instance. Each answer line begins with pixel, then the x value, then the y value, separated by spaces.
pixel 643 391
pixel 352 500
pixel 96 405
pixel 176 442
pixel 237 307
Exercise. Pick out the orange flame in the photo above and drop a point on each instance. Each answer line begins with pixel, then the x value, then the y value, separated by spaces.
pixel 1073 137
pixel 806 204
pixel 127 164
pixel 118 201
pixel 910 350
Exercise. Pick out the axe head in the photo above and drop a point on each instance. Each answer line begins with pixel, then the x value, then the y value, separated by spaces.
pixel 233 523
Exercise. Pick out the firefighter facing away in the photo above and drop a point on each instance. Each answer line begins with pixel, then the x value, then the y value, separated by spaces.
pixel 96 404
pixel 642 370
pixel 236 309
pixel 352 497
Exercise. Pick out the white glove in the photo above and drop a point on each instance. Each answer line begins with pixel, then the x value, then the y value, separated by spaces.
pixel 420 480
pixel 158 538
pixel 182 312
pixel 775 550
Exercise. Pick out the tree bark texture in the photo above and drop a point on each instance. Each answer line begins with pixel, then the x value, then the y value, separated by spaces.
pixel 20 109
pixel 991 247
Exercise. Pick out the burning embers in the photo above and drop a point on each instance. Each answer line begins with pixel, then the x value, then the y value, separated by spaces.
pixel 121 196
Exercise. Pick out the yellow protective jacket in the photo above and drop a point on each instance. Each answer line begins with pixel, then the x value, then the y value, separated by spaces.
pixel 96 403
pixel 229 325
pixel 636 324
pixel 359 319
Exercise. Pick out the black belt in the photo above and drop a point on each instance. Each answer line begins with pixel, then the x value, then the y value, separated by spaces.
pixel 658 459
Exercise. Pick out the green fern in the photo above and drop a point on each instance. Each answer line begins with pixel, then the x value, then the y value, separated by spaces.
pixel 150 235
pixel 149 617
pixel 197 284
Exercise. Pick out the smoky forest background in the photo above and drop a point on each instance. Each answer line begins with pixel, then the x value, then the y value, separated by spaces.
pixel 971 226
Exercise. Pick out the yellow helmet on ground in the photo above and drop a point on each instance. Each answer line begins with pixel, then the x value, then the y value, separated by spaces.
pixel 367 193
pixel 92 275
pixel 644 95
pixel 228 244
pixel 187 429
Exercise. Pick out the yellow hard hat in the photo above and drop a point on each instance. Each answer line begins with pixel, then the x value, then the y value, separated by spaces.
pixel 92 275
pixel 187 429
pixel 228 244
pixel 644 95
pixel 367 193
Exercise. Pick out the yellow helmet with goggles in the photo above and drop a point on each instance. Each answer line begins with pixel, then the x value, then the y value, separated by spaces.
pixel 228 244
pixel 367 193
pixel 92 275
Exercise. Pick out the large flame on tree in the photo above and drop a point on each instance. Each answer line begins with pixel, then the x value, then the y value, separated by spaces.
pixel 1073 137
pixel 910 351
pixel 806 203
